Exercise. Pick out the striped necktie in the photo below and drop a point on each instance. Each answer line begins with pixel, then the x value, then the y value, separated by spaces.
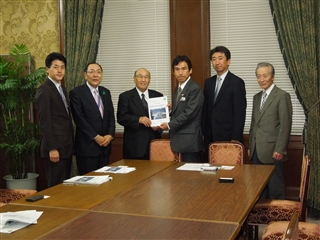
pixel 264 99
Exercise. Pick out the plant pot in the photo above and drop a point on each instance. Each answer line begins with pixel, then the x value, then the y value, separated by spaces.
pixel 26 183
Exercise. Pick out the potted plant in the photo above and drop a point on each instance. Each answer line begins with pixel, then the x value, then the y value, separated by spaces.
pixel 19 134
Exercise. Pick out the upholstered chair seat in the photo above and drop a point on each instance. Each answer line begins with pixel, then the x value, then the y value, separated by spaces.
pixel 226 153
pixel 11 195
pixel 294 230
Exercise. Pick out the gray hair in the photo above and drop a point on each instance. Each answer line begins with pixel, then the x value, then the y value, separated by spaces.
pixel 266 64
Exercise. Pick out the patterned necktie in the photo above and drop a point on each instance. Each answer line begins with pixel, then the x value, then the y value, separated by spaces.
pixel 218 85
pixel 264 98
pixel 63 99
pixel 144 102
pixel 98 101
pixel 178 93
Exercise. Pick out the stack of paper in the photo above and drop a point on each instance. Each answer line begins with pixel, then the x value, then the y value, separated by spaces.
pixel 203 167
pixel 117 169
pixel 13 221
pixel 96 180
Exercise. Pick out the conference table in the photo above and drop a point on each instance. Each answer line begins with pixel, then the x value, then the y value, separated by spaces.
pixel 155 201
pixel 51 219
pixel 98 225
pixel 87 196
pixel 193 195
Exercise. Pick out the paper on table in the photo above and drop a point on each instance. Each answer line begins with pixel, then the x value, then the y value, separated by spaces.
pixel 227 167
pixel 13 221
pixel 203 167
pixel 193 166
pixel 117 169
pixel 95 180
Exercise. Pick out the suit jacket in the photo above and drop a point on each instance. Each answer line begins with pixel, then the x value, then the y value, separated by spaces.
pixel 89 122
pixel 55 122
pixel 270 129
pixel 223 119
pixel 185 126
pixel 136 137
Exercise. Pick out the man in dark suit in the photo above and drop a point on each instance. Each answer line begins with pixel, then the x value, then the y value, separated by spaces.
pixel 270 129
pixel 133 115
pixel 93 114
pixel 184 126
pixel 224 108
pixel 56 146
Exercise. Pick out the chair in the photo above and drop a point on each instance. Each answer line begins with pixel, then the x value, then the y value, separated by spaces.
pixel 226 153
pixel 11 195
pixel 293 230
pixel 268 210
pixel 160 150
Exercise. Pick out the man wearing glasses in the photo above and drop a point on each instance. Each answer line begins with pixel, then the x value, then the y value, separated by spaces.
pixel 133 115
pixel 93 114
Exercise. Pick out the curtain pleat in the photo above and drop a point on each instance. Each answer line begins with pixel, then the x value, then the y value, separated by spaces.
pixel 82 26
pixel 297 25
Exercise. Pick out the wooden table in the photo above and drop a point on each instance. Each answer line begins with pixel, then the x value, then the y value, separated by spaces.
pixel 194 195
pixel 51 219
pixel 121 226
pixel 87 196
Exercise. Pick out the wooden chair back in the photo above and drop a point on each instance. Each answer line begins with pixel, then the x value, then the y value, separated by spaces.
pixel 160 150
pixel 226 152
pixel 304 187
pixel 292 232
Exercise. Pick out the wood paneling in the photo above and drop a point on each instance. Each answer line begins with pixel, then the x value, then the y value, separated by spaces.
pixel 190 36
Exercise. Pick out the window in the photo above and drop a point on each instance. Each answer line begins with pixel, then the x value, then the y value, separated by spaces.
pixel 246 28
pixel 135 34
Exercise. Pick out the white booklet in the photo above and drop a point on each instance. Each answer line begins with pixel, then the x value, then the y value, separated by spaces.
pixel 116 169
pixel 158 110
pixel 13 221
pixel 95 180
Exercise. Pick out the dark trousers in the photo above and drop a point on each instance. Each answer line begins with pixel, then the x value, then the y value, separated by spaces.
pixel 57 172
pixel 275 188
pixel 191 157
pixel 91 163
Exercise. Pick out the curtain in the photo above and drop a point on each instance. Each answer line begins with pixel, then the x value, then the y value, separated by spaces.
pixel 297 25
pixel 82 25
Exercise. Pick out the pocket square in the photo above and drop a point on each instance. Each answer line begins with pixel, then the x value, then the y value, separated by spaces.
pixel 182 99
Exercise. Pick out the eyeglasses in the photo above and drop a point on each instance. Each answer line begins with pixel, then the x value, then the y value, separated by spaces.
pixel 141 77
pixel 92 72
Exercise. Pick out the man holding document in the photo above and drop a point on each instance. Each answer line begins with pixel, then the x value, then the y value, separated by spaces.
pixel 133 114
pixel 184 127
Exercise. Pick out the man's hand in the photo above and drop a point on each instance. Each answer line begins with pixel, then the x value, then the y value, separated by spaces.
pixel 54 155
pixel 277 156
pixel 107 140
pixel 164 126
pixel 145 121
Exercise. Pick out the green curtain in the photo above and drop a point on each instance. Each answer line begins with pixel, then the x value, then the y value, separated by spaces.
pixel 297 25
pixel 82 25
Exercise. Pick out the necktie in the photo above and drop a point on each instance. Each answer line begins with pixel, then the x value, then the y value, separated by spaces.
pixel 63 98
pixel 98 101
pixel 178 93
pixel 218 85
pixel 144 102
pixel 264 98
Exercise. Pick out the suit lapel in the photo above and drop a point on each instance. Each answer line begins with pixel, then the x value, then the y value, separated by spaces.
pixel 269 100
pixel 87 93
pixel 223 88
pixel 137 101
pixel 58 96
pixel 182 94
